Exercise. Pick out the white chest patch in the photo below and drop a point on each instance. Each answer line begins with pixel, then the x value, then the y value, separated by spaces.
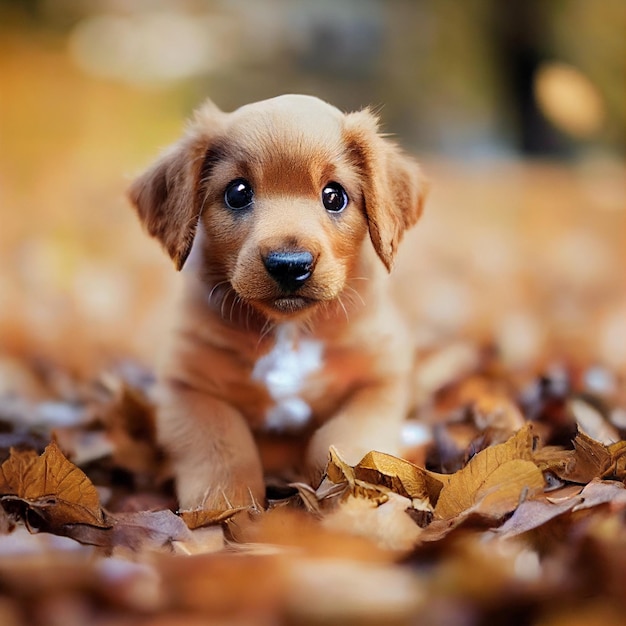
pixel 283 371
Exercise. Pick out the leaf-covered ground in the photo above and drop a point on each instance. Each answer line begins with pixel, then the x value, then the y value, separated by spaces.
pixel 512 512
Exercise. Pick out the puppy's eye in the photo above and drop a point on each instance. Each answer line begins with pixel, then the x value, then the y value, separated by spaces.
pixel 238 194
pixel 334 198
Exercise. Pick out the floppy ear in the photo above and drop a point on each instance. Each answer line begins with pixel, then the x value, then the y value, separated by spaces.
pixel 167 195
pixel 393 184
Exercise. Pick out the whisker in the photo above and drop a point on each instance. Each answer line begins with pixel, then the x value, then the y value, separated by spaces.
pixel 218 284
pixel 247 315
pixel 214 290
pixel 342 305
pixel 265 331
pixel 353 291
pixel 222 309
pixel 232 307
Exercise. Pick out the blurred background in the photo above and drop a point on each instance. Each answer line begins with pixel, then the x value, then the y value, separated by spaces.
pixel 516 110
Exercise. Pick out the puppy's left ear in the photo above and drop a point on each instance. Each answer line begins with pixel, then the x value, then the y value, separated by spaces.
pixel 167 195
pixel 393 184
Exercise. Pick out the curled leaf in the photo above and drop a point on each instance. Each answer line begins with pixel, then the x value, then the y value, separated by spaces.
pixel 338 471
pixel 399 476
pixel 588 460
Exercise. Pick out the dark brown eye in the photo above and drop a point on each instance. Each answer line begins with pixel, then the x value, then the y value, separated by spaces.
pixel 334 198
pixel 238 194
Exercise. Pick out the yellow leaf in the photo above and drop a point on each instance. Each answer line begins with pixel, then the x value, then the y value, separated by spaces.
pixel 338 471
pixel 399 476
pixel 494 481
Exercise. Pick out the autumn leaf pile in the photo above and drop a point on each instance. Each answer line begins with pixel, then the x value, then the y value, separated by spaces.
pixel 513 511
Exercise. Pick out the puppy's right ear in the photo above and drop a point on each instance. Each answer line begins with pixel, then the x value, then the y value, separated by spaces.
pixel 167 195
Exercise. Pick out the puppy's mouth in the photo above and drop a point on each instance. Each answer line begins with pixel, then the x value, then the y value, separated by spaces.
pixel 290 304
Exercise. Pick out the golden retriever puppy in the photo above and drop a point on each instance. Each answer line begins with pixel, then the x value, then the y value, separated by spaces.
pixel 286 215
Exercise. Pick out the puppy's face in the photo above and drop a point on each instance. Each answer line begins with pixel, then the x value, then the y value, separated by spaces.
pixel 283 208
pixel 287 191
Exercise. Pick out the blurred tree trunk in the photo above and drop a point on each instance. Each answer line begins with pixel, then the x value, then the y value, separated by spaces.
pixel 519 38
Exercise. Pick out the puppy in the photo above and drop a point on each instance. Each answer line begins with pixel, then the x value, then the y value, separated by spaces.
pixel 286 216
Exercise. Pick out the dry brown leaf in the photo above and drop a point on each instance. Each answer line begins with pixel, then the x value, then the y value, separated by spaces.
pixel 590 459
pixel 532 514
pixel 495 480
pixel 399 476
pixel 14 469
pixel 52 486
pixel 308 496
pixel 554 459
pixel 599 492
pixel 139 531
pixel 617 451
pixel 508 486
pixel 338 471
pixel 199 518
pixel 591 421
pixel 155 530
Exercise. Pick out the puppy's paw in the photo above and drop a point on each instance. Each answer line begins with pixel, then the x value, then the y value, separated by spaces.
pixel 197 491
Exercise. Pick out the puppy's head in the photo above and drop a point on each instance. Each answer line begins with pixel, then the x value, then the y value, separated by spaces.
pixel 286 191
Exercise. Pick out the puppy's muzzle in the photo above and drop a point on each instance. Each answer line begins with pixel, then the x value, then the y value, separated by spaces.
pixel 289 269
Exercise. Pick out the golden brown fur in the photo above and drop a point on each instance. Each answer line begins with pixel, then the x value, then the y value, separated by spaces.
pixel 324 364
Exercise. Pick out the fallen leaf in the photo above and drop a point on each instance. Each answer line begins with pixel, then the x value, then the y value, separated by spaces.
pixel 532 514
pixel 338 471
pixel 599 492
pixel 495 480
pixel 590 459
pixel 198 518
pixel 399 476
pixel 145 530
pixel 617 451
pixel 554 460
pixel 13 470
pixel 308 497
pixel 51 486
pixel 591 421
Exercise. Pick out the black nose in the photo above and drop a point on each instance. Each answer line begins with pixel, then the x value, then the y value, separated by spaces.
pixel 290 270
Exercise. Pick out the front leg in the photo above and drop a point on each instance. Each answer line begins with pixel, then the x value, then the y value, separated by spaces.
pixel 371 420
pixel 215 459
